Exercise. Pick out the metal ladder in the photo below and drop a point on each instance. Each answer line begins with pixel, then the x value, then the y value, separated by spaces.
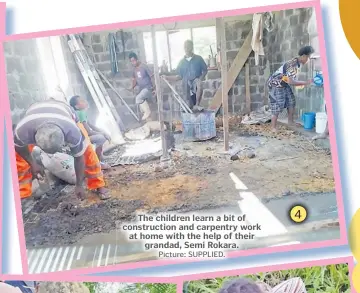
pixel 96 88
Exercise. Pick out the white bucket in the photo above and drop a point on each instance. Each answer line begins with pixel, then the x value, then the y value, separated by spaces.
pixel 321 121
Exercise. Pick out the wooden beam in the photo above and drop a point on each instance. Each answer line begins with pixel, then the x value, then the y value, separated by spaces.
pixel 165 153
pixel 224 80
pixel 233 72
pixel 168 49
pixel 247 87
pixel 266 94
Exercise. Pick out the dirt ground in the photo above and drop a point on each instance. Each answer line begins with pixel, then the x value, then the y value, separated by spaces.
pixel 198 178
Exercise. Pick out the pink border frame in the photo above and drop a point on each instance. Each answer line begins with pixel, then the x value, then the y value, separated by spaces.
pixel 4 94
pixel 315 4
pixel 179 280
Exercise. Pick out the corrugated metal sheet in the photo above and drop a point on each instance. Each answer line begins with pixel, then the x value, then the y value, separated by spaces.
pixel 62 258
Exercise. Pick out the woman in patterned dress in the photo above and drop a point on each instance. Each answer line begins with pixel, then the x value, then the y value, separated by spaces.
pixel 281 95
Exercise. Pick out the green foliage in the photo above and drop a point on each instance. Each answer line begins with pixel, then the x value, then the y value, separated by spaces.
pixel 91 286
pixel 150 288
pixel 327 279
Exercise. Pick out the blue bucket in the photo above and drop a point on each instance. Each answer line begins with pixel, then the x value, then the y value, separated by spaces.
pixel 309 120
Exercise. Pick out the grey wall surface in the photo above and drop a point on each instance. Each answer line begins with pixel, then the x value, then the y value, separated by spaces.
pixel 24 76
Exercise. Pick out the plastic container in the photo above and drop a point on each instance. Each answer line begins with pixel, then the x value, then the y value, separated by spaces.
pixel 309 120
pixel 318 79
pixel 321 121
pixel 198 126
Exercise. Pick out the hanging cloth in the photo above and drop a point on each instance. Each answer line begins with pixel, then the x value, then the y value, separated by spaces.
pixel 113 56
pixel 256 42
pixel 269 21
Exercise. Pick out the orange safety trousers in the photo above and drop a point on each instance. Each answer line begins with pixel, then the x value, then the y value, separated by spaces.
pixel 93 172
pixel 24 175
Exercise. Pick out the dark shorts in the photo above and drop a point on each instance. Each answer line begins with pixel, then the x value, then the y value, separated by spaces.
pixel 280 99
pixel 192 87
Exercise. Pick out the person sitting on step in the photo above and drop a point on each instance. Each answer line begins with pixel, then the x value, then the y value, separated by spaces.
pixel 96 135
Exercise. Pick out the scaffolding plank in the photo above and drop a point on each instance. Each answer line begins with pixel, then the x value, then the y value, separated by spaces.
pixel 96 87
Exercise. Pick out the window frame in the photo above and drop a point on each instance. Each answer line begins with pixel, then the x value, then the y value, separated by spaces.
pixel 171 66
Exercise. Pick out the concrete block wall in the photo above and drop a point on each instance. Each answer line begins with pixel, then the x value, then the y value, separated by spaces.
pixel 236 32
pixel 97 46
pixel 235 35
pixel 293 29
pixel 289 35
pixel 24 76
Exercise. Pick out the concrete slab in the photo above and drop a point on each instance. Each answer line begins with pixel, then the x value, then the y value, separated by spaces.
pixel 201 181
pixel 113 248
pixel 309 134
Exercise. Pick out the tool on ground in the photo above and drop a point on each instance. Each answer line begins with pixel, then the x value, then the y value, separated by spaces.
pixel 96 87
pixel 182 103
pixel 117 93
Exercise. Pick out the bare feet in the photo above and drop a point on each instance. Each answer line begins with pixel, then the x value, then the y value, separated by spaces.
pixel 105 166
pixel 103 193
pixel 291 123
pixel 274 130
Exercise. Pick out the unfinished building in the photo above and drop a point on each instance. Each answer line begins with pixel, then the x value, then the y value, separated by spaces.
pixel 276 171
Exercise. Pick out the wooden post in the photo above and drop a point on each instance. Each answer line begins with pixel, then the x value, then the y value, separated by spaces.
pixel 224 82
pixel 234 70
pixel 247 87
pixel 169 50
pixel 165 153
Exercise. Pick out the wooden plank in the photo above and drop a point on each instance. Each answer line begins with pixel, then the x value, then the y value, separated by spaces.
pixel 117 93
pixel 233 72
pixel 224 80
pixel 247 87
pixel 266 96
pixel 169 49
pixel 165 153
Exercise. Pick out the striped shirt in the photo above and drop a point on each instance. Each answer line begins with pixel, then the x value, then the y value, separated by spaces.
pixel 55 112
pixel 290 69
